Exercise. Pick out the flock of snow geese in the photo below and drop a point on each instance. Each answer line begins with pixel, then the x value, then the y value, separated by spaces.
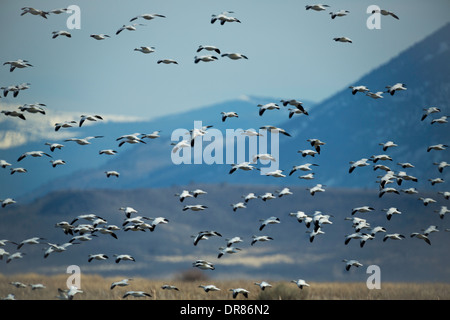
pixel 132 222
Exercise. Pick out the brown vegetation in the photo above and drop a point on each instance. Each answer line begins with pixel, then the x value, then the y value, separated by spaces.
pixel 96 287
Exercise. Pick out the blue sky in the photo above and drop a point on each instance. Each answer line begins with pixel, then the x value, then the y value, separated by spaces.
pixel 290 52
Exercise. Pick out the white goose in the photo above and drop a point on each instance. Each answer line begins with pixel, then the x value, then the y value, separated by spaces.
pixel 421 236
pixel 396 87
pixel 340 13
pixel 137 294
pixel 359 163
pixel 351 263
pixel 375 95
pixel 362 209
pixel 34 11
pixel 274 129
pixel 99 36
pixel 246 166
pixel 317 7
pixel 121 283
pixel 270 220
pixel 7 201
pixel 14 256
pixel 34 154
pixel 19 63
pixel 303 167
pixel 343 39
pixel 148 16
pixel 317 188
pixel 267 106
pixel 209 287
pixel 234 56
pixel 230 114
pixel 129 27
pixel 227 250
pixel 124 257
pixel 64 33
pixel 4 163
pixel 429 111
pixel 386 13
pixel 205 58
pixel 263 285
pixel 260 238
pixel 237 291
pixel 391 211
pixel 197 207
pixel 208 48
pixel 394 236
pixel 85 117
pixel 239 205
pixel 300 283
pixel 83 141
pixel 97 256
pixel 145 49
pixel 443 211
pixel 438 147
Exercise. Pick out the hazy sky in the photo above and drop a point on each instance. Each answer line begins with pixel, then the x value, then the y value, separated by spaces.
pixel 290 51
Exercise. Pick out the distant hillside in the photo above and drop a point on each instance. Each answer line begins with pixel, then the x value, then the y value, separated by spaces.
pixel 169 249
pixel 352 126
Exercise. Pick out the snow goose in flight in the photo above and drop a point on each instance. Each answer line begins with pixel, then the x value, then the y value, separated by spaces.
pixel 145 49
pixel 209 287
pixel 7 202
pixel 317 188
pixel 57 162
pixel 156 221
pixel 300 283
pixel 316 143
pixel 180 145
pixel 19 63
pixel 229 250
pixel 267 106
pixel 16 255
pixel 208 48
pixel 395 87
pixel 130 138
pixel 34 154
pixel 234 56
pixel 359 163
pixel 64 33
pixel 276 173
pixel 34 240
pixel 100 36
pixel 242 291
pixel 274 129
pixel 263 285
pixel 421 236
pixel 391 211
pixel 124 257
pixel 183 195
pixel 112 173
pixel 249 197
pixel 20 170
pixel 260 238
pixel 4 163
pixel 270 220
pixel 239 205
pixel 230 114
pixel 303 167
pixel 307 152
pixel 387 190
pixel 88 217
pixel 376 230
pixel 284 192
pixel 267 196
pixel 3 253
pixel 37 286
pixel 362 209
pixel 108 152
pixel 246 166
pixel 223 17
pixel 83 141
pixel 410 191
pixel 57 248
pixel 351 263
pixel 317 7
pixel 438 147
pixel 84 118
pixel 343 39
pixel 205 58
pixel 356 89
pixel 314 233
pixel 388 144
pixel 54 146
pixel 197 207
pixel 14 114
pixel 340 13
pixel 129 27
pixel 137 294
pixel 375 95
pixel 3 242
pixel 383 157
pixel 97 256
pixel 148 16
pixel 169 287
pixel 230 241
pixel 264 156
pixel 204 265
pixel 309 176
pixel 66 124
pixel 121 283
pixel 393 236
pixel 295 103
pixel 386 13
pixel 446 194
pixel 153 135
pixel 251 133
pixel 198 192
pixel 441 120
pixel 429 111
pixel 34 11
pixel 167 61
pixel 356 235
pixel 443 211
pixel 436 180
pixel 299 215
pixel 33 108
pixel 15 89
pixel 204 235
pixel 293 111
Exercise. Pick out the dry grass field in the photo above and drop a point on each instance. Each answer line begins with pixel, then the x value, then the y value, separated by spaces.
pixel 98 288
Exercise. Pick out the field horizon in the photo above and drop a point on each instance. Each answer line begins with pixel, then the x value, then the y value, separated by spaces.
pixel 97 287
